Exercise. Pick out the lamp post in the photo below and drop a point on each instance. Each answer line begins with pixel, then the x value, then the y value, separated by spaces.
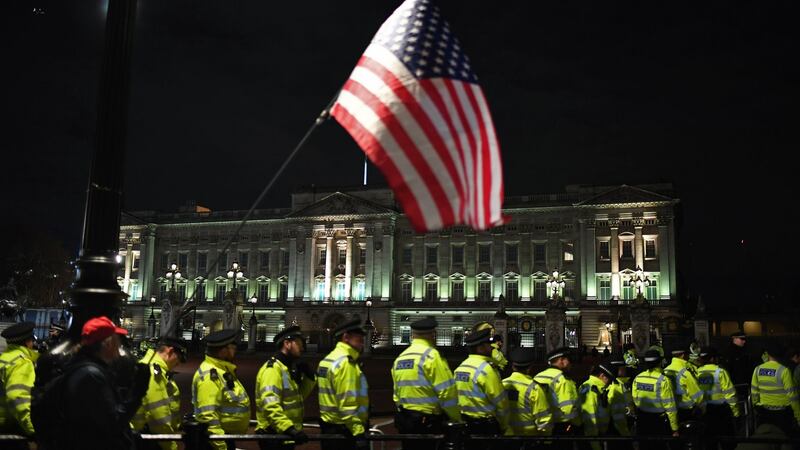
pixel 194 313
pixel 251 342
pixel 608 334
pixel 555 283
pixel 370 329
pixel 235 274
pixel 173 275
pixel 151 321
pixel 640 281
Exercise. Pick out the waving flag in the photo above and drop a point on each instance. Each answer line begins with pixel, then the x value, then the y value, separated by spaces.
pixel 414 106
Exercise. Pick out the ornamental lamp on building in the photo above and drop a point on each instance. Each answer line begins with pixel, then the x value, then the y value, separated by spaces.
pixel 555 283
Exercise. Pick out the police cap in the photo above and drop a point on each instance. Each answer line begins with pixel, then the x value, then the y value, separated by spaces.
pixel 522 356
pixel 709 352
pixel 426 324
pixel 652 356
pixel 221 338
pixel 738 334
pixel 353 326
pixel 288 333
pixel 18 333
pixel 558 353
pixel 608 370
pixel 177 343
pixel 678 351
pixel 478 337
pixel 617 361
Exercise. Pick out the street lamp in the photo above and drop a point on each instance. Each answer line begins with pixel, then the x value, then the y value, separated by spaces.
pixel 235 274
pixel 640 281
pixel 370 328
pixel 555 283
pixel 253 300
pixel 173 275
pixel 251 341
pixel 194 313
pixel 151 321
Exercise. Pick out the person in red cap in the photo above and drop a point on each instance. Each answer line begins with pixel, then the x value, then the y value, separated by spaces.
pixel 96 414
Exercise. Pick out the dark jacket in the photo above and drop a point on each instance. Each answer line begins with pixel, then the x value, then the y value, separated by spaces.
pixel 739 364
pixel 96 414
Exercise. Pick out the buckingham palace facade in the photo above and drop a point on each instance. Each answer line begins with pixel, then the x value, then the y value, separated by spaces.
pixel 343 253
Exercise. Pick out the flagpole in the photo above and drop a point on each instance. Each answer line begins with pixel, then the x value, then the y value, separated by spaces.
pixel 365 169
pixel 323 116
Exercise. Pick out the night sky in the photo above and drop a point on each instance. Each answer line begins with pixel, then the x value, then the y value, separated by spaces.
pixel 700 94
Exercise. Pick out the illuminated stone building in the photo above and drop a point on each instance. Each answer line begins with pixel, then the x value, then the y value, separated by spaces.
pixel 320 261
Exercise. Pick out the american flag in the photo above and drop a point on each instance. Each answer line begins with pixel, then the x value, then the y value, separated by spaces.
pixel 414 106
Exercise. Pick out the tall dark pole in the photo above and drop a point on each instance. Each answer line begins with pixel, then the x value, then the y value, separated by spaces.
pixel 95 291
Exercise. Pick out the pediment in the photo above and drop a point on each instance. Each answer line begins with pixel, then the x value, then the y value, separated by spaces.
pixel 340 204
pixel 625 195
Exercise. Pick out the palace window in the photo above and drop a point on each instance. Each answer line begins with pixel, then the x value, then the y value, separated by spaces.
pixel 539 253
pixel 512 290
pixel 604 289
pixel 627 249
pixel 458 255
pixel 457 290
pixel 484 253
pixel 568 251
pixel 540 290
pixel 604 250
pixel 511 253
pixel 431 290
pixel 649 249
pixel 484 290
pixel 407 254
pixel 431 255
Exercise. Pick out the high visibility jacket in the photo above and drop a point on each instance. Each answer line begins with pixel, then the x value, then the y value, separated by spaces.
pixel 772 388
pixel 219 399
pixel 717 387
pixel 480 390
pixel 498 357
pixel 279 397
pixel 688 394
pixel 423 381
pixel 17 375
pixel 620 402
pixel 594 408
pixel 652 393
pixel 343 398
pixel 161 406
pixel 529 410
pixel 563 395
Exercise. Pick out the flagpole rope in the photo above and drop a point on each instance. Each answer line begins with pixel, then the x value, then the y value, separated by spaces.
pixel 323 116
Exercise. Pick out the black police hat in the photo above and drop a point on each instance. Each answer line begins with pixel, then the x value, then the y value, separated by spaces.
pixel 219 339
pixel 679 351
pixel 558 353
pixel 652 356
pixel 354 326
pixel 288 333
pixel 478 337
pixel 738 334
pixel 177 343
pixel 426 324
pixel 608 370
pixel 522 356
pixel 18 333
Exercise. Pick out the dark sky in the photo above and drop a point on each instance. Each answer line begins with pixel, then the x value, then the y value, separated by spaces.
pixel 701 94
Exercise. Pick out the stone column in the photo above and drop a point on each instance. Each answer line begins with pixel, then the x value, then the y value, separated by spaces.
pixel 638 246
pixel 591 261
pixel 293 265
pixel 555 317
pixel 126 281
pixel 147 266
pixel 640 326
pixel 664 279
pixel 348 267
pixel 328 265
pixel 369 264
pixel 312 266
pixel 251 334
pixel 615 280
pixel 387 264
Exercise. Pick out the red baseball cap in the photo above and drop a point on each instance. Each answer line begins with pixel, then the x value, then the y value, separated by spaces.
pixel 99 328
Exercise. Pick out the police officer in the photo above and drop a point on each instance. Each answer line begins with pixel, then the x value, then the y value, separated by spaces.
pixel 481 396
pixel 720 396
pixel 498 358
pixel 424 390
pixel 656 413
pixel 620 403
pixel 161 405
pixel 17 376
pixel 562 391
pixel 282 384
pixel 689 396
pixel 593 395
pixel 529 409
pixel 343 399
pixel 218 397
pixel 739 363
pixel 774 394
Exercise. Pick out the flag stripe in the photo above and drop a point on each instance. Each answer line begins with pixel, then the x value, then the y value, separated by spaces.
pixel 385 153
pixel 485 176
pixel 465 127
pixel 406 144
pixel 497 164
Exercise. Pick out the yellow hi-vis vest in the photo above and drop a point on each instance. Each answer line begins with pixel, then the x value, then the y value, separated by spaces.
pixel 717 387
pixel 498 358
pixel 529 411
pixel 563 395
pixel 343 398
pixel 652 393
pixel 594 408
pixel 219 399
pixel 161 406
pixel 17 375
pixel 772 387
pixel 480 391
pixel 688 394
pixel 423 381
pixel 279 399
pixel 620 401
